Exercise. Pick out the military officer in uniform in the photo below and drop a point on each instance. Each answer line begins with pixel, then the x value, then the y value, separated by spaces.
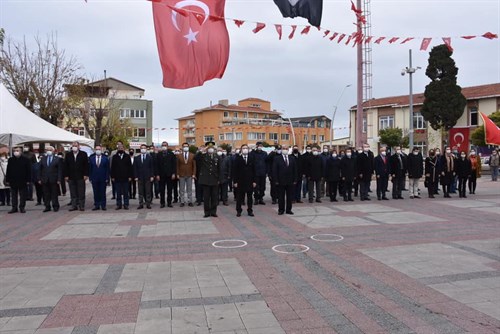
pixel 209 179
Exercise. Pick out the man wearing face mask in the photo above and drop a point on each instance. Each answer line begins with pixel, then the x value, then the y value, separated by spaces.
pixel 144 172
pixel 244 179
pixel 300 167
pixel 332 175
pixel 475 162
pixel 348 170
pixel 99 177
pixel 398 167
pixel 464 170
pixel 364 163
pixel 448 169
pixel 49 177
pixel 225 175
pixel 186 173
pixel 314 172
pixel 4 189
pixel 438 168
pixel 276 154
pixel 76 173
pixel 17 178
pixel 166 171
pixel 454 182
pixel 121 173
pixel 285 177
pixel 132 187
pixel 415 163
pixel 260 158
pixel 431 173
pixel 209 179
pixel 494 163
pixel 113 188
pixel 325 155
pixel 305 157
pixel 198 187
pixel 381 163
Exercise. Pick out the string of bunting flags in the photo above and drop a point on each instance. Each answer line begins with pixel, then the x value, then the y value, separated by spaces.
pixel 209 128
pixel 329 34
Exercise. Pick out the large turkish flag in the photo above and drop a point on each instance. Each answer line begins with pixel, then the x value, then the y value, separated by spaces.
pixel 193 43
pixel 459 137
pixel 491 131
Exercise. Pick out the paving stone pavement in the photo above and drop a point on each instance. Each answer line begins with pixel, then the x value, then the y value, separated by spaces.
pixel 398 266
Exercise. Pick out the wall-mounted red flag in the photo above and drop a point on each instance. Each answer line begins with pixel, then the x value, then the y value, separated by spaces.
pixel 491 131
pixel 459 137
pixel 190 53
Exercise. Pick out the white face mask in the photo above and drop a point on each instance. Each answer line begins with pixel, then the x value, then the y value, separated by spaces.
pixel 237 151
pixel 366 149
pixel 74 148
pixel 325 150
pixel 17 154
pixel 472 153
pixel 3 158
pixel 334 155
pixel 284 152
pixel 219 153
pixel 315 152
pixel 144 151
pixel 360 151
pixel 463 156
pixel 26 149
pixel 210 150
pixel 415 153
pixel 348 155
pixel 97 152
pixel 383 153
pixel 398 151
pixel 185 149
pixel 164 148
pixel 448 151
pixel 244 151
pixel 259 148
pixel 308 150
pixel 49 153
pixel 279 151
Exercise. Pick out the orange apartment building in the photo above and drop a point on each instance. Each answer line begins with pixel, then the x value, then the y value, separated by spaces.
pixel 250 121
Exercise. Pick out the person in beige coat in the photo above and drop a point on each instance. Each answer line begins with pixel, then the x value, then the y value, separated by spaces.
pixel 186 173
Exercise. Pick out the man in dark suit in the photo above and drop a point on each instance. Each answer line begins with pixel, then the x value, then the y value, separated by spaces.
pixel 364 163
pixel 259 156
pixel 99 177
pixel 382 172
pixel 398 167
pixel 348 173
pixel 314 171
pixel 144 175
pixel 209 178
pixel 121 174
pixel 17 178
pixel 49 177
pixel 285 177
pixel 244 179
pixel 76 172
pixel 166 172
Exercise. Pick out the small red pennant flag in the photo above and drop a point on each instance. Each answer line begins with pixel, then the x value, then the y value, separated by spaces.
pixel 368 39
pixel 380 39
pixel 425 44
pixel 468 37
pixel 214 18
pixel 490 35
pixel 305 31
pixel 239 23
pixel 354 9
pixel 394 39
pixel 335 34
pixel 341 37
pixel 179 11
pixel 294 27
pixel 259 27
pixel 348 40
pixel 279 30
pixel 447 41
pixel 199 17
pixel 407 40
pixel 327 32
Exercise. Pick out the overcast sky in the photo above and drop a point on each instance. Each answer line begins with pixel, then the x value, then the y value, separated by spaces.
pixel 301 77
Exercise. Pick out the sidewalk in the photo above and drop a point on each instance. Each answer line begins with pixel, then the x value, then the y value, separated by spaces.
pixel 398 266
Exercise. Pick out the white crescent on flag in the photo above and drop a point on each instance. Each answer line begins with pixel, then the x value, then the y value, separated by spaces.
pixel 185 3
pixel 458 134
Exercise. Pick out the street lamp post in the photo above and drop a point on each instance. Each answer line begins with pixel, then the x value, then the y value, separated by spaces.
pixel 410 70
pixel 335 113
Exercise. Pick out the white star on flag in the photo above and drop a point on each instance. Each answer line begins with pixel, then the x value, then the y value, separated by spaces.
pixel 191 36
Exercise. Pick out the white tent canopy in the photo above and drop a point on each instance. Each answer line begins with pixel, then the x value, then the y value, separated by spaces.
pixel 18 125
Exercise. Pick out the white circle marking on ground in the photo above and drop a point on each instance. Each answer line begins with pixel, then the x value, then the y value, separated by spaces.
pixel 216 243
pixel 335 237
pixel 304 248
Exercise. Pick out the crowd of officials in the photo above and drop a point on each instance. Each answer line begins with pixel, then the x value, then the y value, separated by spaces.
pixel 169 175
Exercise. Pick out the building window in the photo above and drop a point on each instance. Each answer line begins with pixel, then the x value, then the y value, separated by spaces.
pixel 418 121
pixel 238 135
pixel 78 131
pixel 255 115
pixel 226 114
pixel 313 138
pixel 321 138
pixel 305 138
pixel 255 105
pixel 235 115
pixel 365 125
pixel 208 138
pixel 139 132
pixel 256 136
pixel 321 123
pixel 245 115
pixel 221 136
pixel 384 122
pixel 285 136
pixel 124 113
pixel 132 113
pixel 273 136
pixel 473 116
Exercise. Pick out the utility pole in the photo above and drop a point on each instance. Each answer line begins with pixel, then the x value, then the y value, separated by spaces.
pixel 359 83
pixel 410 70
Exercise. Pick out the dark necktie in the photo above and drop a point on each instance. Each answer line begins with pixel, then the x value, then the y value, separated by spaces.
pixel 98 161
pixel 286 160
pixel 50 161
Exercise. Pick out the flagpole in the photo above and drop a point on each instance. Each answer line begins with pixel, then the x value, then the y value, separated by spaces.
pixel 359 107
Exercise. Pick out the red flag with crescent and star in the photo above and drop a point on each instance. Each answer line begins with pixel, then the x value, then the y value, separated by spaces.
pixel 459 138
pixel 193 48
pixel 491 131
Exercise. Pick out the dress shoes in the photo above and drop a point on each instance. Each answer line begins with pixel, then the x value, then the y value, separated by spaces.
pixel 125 207
pixel 225 203
pixel 182 205
pixel 261 202
pixel 280 213
pixel 119 207
pixel 238 214
pixel 46 210
pixel 318 201
pixel 95 208
pixel 73 209
pixel 190 204
pixel 12 211
pixel 22 210
pixel 148 206
pixel 57 209
pixel 251 214
pixel 214 215
pixel 162 205
pixel 82 209
pixel 140 207
pixel 170 205
pixel 206 215
pixel 385 198
pixel 289 212
pixel 299 201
